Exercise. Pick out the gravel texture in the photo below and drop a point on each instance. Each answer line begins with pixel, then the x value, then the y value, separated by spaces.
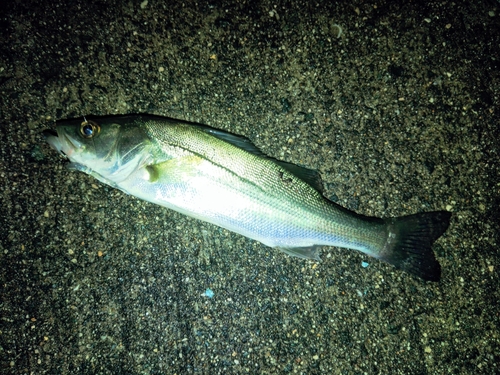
pixel 396 105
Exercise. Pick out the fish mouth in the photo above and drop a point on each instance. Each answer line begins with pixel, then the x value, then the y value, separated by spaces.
pixel 52 138
pixel 60 143
pixel 49 132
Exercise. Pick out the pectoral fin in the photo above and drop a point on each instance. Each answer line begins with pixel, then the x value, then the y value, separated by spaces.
pixel 173 170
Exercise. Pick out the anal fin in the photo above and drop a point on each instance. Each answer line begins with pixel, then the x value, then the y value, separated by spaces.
pixel 302 252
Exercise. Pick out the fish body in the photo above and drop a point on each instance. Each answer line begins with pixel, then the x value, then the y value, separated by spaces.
pixel 224 179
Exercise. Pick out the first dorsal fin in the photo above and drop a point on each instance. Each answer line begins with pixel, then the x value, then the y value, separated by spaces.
pixel 307 175
pixel 236 140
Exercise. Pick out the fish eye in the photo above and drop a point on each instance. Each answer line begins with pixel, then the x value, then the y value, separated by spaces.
pixel 89 129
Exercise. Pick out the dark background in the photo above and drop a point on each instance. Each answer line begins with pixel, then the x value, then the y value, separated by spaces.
pixel 399 113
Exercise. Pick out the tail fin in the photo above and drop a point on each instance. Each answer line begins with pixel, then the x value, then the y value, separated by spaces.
pixel 409 243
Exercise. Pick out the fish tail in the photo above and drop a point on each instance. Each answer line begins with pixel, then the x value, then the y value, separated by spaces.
pixel 409 243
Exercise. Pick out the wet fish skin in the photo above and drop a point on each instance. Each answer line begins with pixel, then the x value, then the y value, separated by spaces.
pixel 224 179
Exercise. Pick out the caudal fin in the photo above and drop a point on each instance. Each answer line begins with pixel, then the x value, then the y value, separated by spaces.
pixel 409 243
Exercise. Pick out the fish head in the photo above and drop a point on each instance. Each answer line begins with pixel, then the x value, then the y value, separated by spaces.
pixel 108 148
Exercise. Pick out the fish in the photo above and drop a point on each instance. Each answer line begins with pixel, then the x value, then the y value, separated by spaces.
pixel 224 179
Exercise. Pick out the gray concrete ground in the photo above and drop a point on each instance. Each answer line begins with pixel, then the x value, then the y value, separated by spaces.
pixel 396 105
